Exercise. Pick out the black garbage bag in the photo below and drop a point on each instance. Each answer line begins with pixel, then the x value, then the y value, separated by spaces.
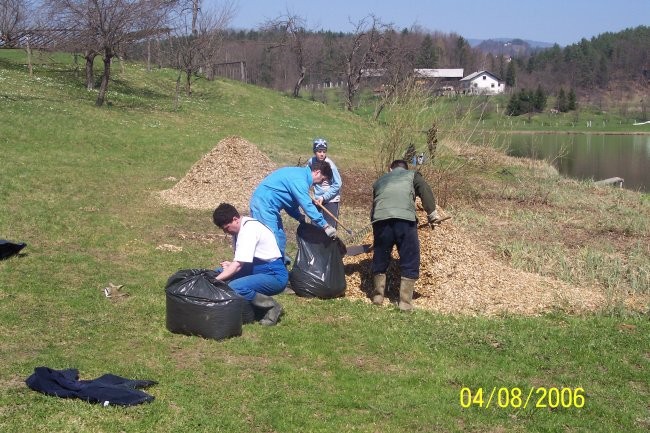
pixel 198 304
pixel 318 270
pixel 8 249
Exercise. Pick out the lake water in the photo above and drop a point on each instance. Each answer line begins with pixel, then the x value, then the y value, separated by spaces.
pixel 590 156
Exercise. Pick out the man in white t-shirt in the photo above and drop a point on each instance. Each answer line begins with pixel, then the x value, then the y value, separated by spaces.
pixel 257 272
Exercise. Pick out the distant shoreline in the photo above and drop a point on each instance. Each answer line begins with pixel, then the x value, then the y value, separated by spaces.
pixel 578 132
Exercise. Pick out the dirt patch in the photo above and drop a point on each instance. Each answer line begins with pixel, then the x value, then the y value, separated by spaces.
pixel 357 187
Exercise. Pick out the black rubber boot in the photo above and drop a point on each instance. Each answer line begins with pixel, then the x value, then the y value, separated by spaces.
pixel 274 309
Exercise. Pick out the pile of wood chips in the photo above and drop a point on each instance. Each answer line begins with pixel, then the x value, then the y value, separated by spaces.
pixel 457 276
pixel 228 173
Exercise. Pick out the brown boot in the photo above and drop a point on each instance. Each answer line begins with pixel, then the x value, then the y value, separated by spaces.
pixel 379 281
pixel 406 294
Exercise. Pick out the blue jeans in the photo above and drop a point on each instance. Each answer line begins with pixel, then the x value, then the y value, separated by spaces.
pixel 402 233
pixel 267 278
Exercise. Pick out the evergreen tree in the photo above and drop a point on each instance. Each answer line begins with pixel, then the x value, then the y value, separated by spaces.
pixel 266 73
pixel 572 104
pixel 532 64
pixel 462 51
pixel 526 101
pixel 514 107
pixel 539 99
pixel 427 56
pixel 602 77
pixel 511 79
pixel 562 103
pixel 502 66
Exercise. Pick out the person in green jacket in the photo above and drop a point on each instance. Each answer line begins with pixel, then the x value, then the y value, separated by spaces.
pixel 394 222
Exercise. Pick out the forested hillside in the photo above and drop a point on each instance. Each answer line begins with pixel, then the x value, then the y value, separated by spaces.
pixel 286 55
pixel 586 64
pixel 614 66
pixel 618 62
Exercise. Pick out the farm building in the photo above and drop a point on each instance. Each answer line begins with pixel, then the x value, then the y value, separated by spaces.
pixel 482 83
pixel 445 81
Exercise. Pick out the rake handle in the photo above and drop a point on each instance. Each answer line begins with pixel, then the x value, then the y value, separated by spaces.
pixel 331 215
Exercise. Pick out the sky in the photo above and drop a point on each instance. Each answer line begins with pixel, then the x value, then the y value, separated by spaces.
pixel 554 21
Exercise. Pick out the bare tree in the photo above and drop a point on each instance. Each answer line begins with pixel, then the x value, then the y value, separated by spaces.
pixel 293 35
pixel 197 39
pixel 14 15
pixel 76 22
pixel 106 28
pixel 362 55
pixel 396 61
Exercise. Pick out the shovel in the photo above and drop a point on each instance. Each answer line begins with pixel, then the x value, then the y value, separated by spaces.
pixel 434 223
pixel 355 250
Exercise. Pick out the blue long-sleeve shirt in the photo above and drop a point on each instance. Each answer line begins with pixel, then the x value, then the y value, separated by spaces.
pixel 329 191
pixel 288 188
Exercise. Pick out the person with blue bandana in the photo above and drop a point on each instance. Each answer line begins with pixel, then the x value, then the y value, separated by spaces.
pixel 327 193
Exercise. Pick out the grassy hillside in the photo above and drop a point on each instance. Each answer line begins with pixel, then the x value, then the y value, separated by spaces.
pixel 77 186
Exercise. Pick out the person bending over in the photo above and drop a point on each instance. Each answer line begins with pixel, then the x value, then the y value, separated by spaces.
pixel 288 188
pixel 394 222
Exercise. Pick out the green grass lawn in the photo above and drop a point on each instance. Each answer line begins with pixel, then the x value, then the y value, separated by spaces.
pixel 77 185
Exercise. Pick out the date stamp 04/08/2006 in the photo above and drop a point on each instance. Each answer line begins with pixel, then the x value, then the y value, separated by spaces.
pixel 515 398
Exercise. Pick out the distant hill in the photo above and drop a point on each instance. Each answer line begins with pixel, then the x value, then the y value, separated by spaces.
pixel 532 44
pixel 508 47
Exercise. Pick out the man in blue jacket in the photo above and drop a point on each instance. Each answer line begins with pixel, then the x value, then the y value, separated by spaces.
pixel 288 188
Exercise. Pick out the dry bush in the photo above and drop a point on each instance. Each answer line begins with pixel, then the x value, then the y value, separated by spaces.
pixel 414 120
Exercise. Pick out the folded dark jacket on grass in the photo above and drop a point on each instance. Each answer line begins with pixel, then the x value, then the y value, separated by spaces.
pixel 108 389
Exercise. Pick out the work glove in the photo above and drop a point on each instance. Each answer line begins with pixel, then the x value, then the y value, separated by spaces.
pixel 433 217
pixel 330 231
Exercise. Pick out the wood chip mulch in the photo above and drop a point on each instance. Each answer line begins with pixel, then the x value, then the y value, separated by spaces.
pixel 228 173
pixel 457 275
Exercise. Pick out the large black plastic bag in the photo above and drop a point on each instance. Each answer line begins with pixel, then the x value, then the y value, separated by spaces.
pixel 197 304
pixel 8 249
pixel 318 270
